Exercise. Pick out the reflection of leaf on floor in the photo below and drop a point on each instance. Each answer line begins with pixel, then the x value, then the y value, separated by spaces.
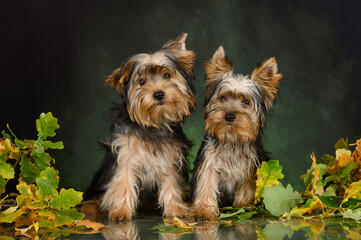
pixel 177 225
pixel 279 200
pixel 235 213
pixel 277 231
pixel 352 233
pixel 353 214
pixel 311 227
pixel 94 227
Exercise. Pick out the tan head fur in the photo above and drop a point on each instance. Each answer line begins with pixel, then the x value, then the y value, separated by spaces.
pixel 237 104
pixel 167 72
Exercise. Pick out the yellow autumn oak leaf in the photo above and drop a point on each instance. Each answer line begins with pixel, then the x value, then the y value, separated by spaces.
pixel 344 157
pixel 267 175
pixel 317 187
pixel 345 160
pixel 332 167
pixel 5 146
pixel 357 153
pixel 182 224
pixel 353 191
pixel 317 171
pixel 307 208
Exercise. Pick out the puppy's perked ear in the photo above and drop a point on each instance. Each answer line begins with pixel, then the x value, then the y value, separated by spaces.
pixel 184 58
pixel 120 77
pixel 216 68
pixel 267 78
pixel 179 43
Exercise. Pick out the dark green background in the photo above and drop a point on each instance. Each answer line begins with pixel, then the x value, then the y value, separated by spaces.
pixel 55 56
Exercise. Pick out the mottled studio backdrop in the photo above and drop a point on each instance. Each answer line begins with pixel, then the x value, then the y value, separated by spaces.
pixel 55 55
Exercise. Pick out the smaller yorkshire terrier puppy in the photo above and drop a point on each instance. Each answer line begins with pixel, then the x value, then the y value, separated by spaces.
pixel 235 114
pixel 147 149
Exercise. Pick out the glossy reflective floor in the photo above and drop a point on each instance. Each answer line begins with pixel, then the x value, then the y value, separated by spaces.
pixel 142 227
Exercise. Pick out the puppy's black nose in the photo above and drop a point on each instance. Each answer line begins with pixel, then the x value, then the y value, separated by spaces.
pixel 230 117
pixel 158 95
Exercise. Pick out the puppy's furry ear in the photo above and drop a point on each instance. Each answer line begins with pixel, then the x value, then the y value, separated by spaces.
pixel 120 76
pixel 267 78
pixel 216 68
pixel 184 58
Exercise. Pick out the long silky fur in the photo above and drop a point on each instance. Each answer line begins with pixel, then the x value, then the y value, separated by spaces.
pixel 121 124
pixel 231 151
pixel 146 160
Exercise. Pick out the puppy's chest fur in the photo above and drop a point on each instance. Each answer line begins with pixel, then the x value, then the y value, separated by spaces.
pixel 150 159
pixel 232 163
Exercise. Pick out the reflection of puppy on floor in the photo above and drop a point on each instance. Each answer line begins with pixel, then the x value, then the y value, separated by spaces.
pixel 235 114
pixel 220 232
pixel 147 149
pixel 122 230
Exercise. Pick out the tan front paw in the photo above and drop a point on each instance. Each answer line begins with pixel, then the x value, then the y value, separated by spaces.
pixel 240 204
pixel 120 214
pixel 243 201
pixel 91 207
pixel 177 211
pixel 205 212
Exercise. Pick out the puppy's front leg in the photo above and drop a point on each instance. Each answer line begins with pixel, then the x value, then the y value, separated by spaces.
pixel 205 204
pixel 121 197
pixel 244 196
pixel 171 194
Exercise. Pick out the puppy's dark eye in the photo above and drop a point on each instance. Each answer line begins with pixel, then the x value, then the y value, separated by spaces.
pixel 223 98
pixel 167 75
pixel 246 101
pixel 142 82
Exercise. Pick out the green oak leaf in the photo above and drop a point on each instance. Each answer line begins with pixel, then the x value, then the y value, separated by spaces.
pixel 25 190
pixel 341 143
pixel 6 170
pixel 353 214
pixel 46 126
pixel 347 170
pixel 268 175
pixel 2 185
pixel 330 191
pixel 66 199
pixel 10 214
pixel 279 200
pixel 45 223
pixel 5 135
pixel 20 200
pixel 39 147
pixel 245 215
pixel 229 215
pixel 332 201
pixel 29 172
pixel 352 203
pixel 24 144
pixel 48 213
pixel 53 145
pixel 67 217
pixel 326 158
pixel 47 183
pixel 41 161
pixel 307 178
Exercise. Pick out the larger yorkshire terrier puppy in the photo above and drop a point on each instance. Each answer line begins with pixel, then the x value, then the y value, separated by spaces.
pixel 147 149
pixel 235 114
